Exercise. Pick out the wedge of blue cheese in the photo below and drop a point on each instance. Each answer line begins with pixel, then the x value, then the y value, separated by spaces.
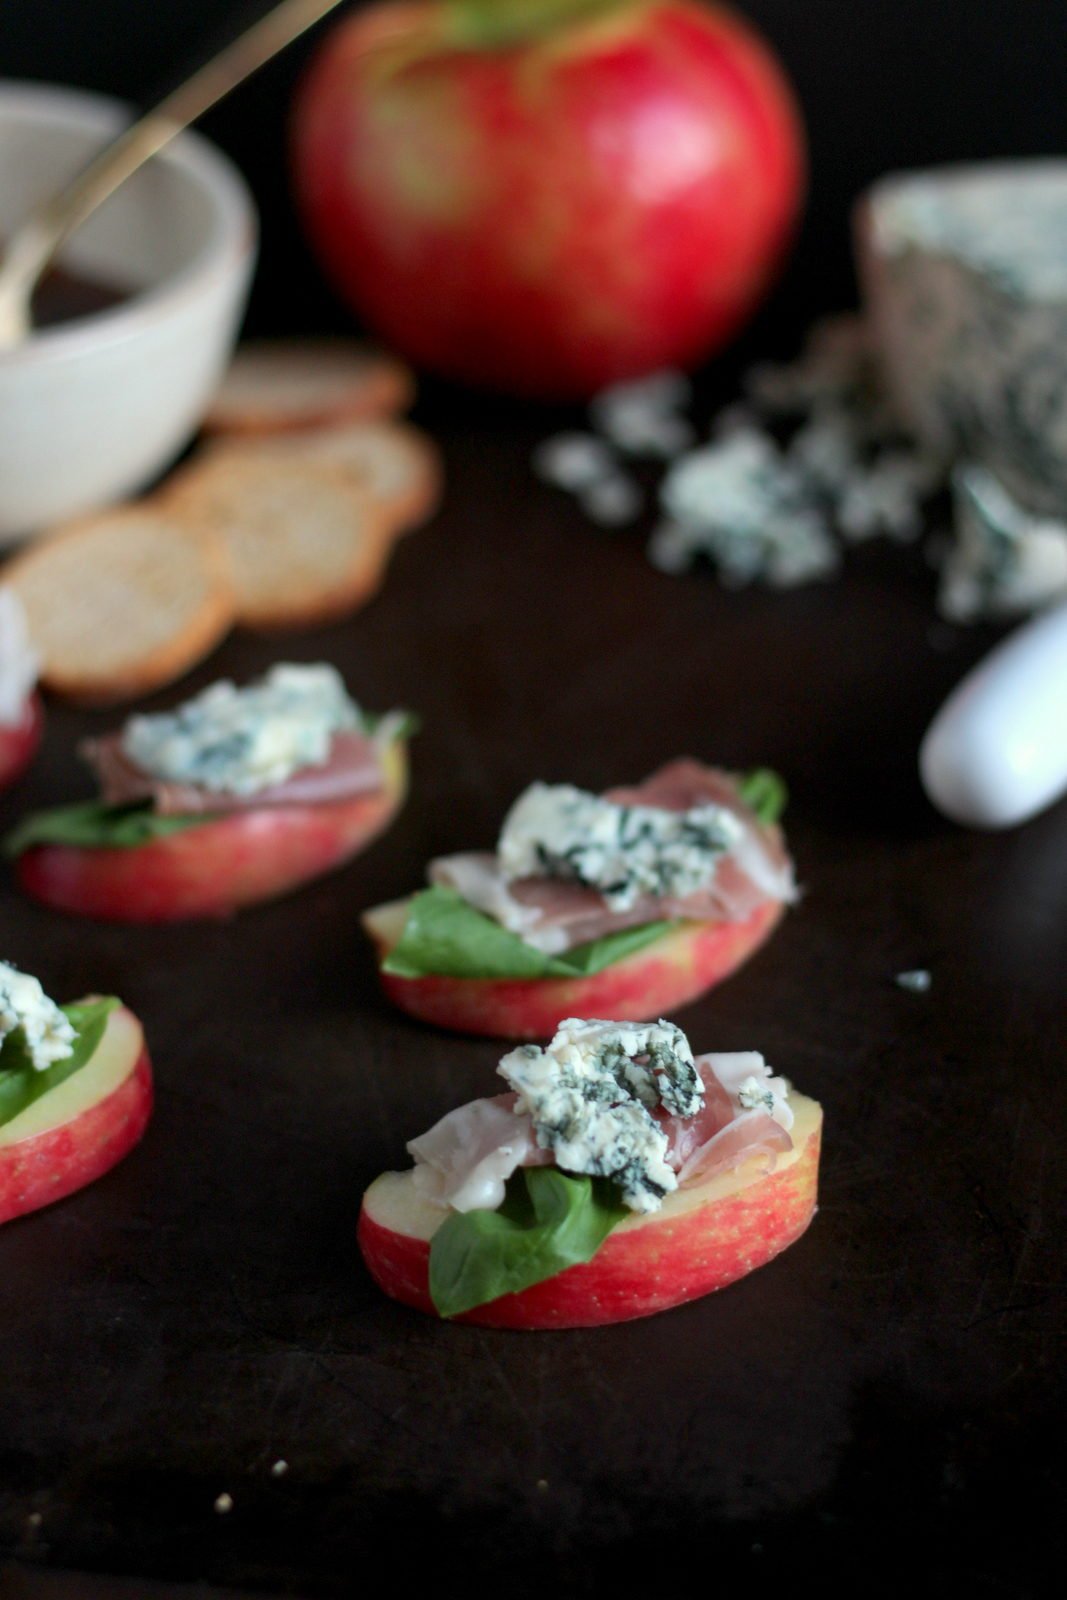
pixel 626 852
pixel 1004 561
pixel 239 741
pixel 48 1034
pixel 590 1095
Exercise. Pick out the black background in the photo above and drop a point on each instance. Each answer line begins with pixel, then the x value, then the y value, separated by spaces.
pixel 882 1407
pixel 883 84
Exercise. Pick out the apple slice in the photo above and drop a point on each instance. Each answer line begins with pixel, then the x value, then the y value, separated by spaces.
pixel 701 1239
pixel 19 741
pixel 654 982
pixel 80 1129
pixel 216 867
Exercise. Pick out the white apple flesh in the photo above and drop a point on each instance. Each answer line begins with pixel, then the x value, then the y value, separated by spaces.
pixel 79 1130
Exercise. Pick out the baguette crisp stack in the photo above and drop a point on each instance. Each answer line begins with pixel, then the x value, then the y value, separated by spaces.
pixel 122 602
pixel 305 544
pixel 280 384
pixel 287 519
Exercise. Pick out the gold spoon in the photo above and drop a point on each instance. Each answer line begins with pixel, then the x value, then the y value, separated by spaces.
pixel 36 241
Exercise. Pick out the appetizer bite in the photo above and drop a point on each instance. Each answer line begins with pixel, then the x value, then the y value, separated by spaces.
pixel 75 1091
pixel 21 717
pixel 237 796
pixel 620 1176
pixel 622 905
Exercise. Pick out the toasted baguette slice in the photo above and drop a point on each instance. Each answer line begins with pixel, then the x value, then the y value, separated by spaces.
pixel 122 602
pixel 277 385
pixel 396 464
pixel 305 544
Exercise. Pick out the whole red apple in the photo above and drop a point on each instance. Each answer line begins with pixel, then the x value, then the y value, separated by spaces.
pixel 547 196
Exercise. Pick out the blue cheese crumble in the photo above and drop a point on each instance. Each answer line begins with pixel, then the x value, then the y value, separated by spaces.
pixel 741 503
pixel 1004 561
pixel 645 416
pixel 623 851
pixel 239 741
pixel 590 1095
pixel 49 1035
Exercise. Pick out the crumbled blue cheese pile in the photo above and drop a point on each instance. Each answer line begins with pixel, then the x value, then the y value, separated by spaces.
pixel 811 461
pixel 240 741
pixel 49 1035
pixel 624 851
pixel 591 1093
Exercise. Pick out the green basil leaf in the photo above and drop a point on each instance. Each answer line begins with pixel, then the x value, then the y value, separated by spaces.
pixel 763 792
pixel 585 959
pixel 407 725
pixel 91 823
pixel 549 1221
pixel 21 1083
pixel 444 936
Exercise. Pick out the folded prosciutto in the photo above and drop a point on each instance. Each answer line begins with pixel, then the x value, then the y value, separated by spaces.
pixel 293 738
pixel 571 867
pixel 597 1101
pixel 352 767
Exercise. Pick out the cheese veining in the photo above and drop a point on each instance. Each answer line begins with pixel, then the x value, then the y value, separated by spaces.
pixel 623 851
pixel 591 1095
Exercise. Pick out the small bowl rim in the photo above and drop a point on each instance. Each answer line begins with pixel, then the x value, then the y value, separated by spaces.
pixel 232 240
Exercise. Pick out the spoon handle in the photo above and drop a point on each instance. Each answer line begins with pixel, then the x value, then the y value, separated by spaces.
pixel 36 241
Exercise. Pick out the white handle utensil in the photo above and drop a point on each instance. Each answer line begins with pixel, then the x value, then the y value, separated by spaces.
pixel 996 753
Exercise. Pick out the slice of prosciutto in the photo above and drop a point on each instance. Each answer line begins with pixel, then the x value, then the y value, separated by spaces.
pixel 746 1113
pixel 353 767
pixel 464 1161
pixel 557 914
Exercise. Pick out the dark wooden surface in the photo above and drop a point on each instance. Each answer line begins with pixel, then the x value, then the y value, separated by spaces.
pixel 891 1385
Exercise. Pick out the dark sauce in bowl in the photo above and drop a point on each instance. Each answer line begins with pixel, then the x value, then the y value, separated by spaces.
pixel 63 296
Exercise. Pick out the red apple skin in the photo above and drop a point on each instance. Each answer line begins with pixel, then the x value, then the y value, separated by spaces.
pixel 551 217
pixel 54 1163
pixel 215 868
pixel 654 982
pixel 637 1271
pixel 19 742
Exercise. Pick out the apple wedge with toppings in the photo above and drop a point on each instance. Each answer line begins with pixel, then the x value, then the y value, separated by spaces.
pixel 236 797
pixel 620 1176
pixel 75 1092
pixel 624 905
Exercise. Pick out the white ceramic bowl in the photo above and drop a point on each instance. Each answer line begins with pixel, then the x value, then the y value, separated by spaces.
pixel 92 410
pixel 964 271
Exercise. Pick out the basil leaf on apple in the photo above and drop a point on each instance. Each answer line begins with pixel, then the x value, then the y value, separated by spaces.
pixel 90 824
pixel 549 1221
pixel 446 937
pixel 20 1081
pixel 763 792
pixel 402 724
